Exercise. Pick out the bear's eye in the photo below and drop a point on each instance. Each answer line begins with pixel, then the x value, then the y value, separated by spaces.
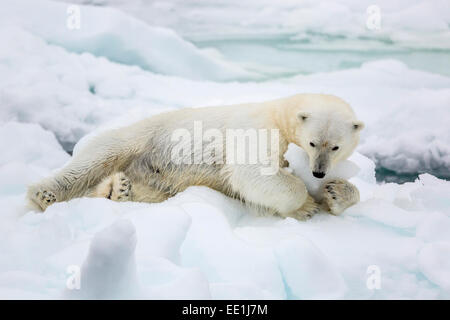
pixel 335 148
pixel 312 144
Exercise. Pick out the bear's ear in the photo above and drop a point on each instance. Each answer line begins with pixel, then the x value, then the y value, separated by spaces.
pixel 303 116
pixel 358 125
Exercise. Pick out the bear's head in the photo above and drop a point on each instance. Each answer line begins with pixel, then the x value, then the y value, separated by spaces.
pixel 328 132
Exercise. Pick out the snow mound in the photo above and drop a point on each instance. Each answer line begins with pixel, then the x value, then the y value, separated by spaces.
pixel 109 270
pixel 307 272
pixel 434 260
pixel 201 244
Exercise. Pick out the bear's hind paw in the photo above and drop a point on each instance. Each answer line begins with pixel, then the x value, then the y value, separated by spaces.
pixel 116 187
pixel 42 199
pixel 121 188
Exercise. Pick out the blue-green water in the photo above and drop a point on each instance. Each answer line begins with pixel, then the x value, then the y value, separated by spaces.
pixel 278 57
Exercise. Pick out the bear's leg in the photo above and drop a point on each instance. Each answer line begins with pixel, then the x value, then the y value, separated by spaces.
pixel 102 156
pixel 70 182
pixel 281 192
pixel 339 194
pixel 118 187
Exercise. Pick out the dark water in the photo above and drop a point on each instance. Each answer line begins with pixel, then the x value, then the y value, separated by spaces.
pixel 385 175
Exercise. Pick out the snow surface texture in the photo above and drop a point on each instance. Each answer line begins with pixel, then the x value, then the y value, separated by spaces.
pixel 201 244
pixel 57 85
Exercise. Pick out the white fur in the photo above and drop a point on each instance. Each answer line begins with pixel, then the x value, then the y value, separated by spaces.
pixel 141 153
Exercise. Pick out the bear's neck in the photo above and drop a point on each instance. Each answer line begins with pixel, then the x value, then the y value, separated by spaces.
pixel 285 120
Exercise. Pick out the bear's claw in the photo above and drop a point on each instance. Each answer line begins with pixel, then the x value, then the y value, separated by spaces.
pixel 121 189
pixel 339 194
pixel 116 187
pixel 44 198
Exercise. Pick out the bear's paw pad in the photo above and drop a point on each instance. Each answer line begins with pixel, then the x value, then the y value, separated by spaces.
pixel 44 198
pixel 339 194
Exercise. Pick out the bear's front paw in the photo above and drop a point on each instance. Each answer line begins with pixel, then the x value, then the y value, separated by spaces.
pixel 339 194
pixel 309 208
pixel 43 198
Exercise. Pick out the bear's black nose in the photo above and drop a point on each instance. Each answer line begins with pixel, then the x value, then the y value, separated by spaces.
pixel 319 175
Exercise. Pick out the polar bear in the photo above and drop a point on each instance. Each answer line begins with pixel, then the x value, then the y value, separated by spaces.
pixel 151 160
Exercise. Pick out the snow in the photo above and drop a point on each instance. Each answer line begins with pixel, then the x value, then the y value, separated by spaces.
pixel 109 270
pixel 435 262
pixel 62 87
pixel 302 265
